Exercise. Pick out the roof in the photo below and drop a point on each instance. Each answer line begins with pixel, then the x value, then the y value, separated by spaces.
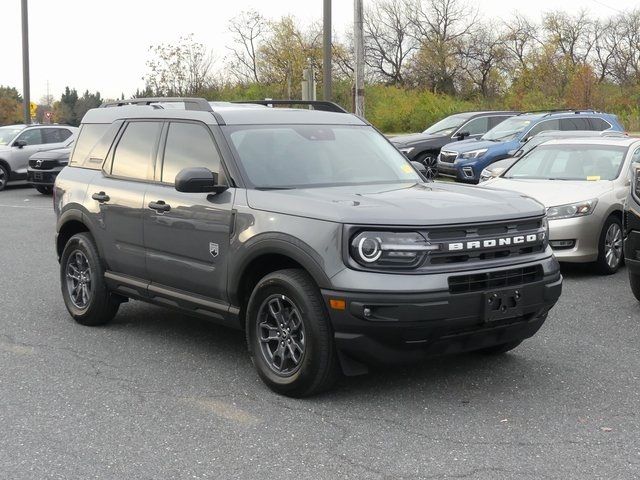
pixel 223 113
pixel 610 141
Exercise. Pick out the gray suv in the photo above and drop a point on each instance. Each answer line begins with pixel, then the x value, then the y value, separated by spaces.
pixel 19 142
pixel 305 228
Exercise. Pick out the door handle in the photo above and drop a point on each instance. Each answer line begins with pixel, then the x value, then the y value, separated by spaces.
pixel 159 206
pixel 101 197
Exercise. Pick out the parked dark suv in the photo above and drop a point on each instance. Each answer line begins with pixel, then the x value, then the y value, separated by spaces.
pixel 307 229
pixel 424 147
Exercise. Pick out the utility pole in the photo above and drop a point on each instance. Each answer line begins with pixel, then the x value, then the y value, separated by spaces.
pixel 25 64
pixel 358 36
pixel 326 48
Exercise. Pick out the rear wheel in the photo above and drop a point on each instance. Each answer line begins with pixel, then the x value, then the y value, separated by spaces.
pixel 610 253
pixel 84 290
pixel 4 177
pixel 44 189
pixel 289 334
pixel 430 162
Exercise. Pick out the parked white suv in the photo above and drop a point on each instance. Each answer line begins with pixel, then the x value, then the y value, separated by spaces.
pixel 19 142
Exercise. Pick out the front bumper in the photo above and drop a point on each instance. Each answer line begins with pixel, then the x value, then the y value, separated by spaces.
pixel 42 177
pixel 403 327
pixel 585 231
pixel 462 173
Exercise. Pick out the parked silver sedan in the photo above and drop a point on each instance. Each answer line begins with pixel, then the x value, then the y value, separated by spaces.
pixel 583 182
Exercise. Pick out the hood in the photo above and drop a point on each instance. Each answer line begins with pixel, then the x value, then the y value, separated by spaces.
pixel 57 154
pixel 469 145
pixel 415 138
pixel 397 204
pixel 552 193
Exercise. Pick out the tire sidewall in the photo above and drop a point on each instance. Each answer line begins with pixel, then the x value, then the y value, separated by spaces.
pixel 312 361
pixel 603 266
pixel 82 243
pixel 6 177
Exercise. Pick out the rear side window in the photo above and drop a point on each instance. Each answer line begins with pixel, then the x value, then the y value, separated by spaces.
pixel 599 124
pixel 89 135
pixel 55 135
pixel 188 145
pixel 135 153
pixel 571 124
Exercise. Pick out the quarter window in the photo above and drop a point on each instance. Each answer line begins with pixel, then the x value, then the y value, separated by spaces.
pixel 599 125
pixel 134 156
pixel 188 145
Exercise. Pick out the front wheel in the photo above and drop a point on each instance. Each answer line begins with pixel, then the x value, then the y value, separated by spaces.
pixel 634 282
pixel 4 177
pixel 44 189
pixel 610 247
pixel 84 290
pixel 289 334
pixel 430 162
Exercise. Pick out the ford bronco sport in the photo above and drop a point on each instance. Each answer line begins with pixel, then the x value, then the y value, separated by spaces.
pixel 306 228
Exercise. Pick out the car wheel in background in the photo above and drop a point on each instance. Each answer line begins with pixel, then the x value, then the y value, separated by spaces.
pixel 4 177
pixel 289 334
pixel 84 290
pixel 430 162
pixel 634 281
pixel 610 252
pixel 44 189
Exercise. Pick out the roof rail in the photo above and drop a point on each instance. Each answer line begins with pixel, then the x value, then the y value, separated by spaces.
pixel 323 105
pixel 559 110
pixel 199 104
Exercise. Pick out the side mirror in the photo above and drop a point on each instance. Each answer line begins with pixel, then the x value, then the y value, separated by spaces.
pixel 198 180
pixel 462 135
pixel 20 143
pixel 420 167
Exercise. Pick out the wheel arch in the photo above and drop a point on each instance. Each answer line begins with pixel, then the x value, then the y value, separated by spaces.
pixel 70 223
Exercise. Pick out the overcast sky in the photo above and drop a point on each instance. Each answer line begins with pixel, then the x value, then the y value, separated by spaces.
pixel 103 45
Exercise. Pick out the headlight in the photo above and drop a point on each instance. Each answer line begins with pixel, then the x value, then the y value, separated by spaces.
pixel 489 174
pixel 407 150
pixel 390 249
pixel 579 209
pixel 473 153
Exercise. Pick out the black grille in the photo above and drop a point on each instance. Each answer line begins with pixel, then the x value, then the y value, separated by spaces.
pixel 448 157
pixel 504 278
pixel 44 164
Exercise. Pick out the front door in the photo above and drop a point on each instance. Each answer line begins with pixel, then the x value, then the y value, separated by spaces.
pixel 20 155
pixel 187 234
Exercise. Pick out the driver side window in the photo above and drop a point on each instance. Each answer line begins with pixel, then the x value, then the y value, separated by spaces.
pixel 477 126
pixel 32 136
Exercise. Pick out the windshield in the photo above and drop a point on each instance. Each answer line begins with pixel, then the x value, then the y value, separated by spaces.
pixel 290 156
pixel 507 130
pixel 8 133
pixel 446 126
pixel 570 162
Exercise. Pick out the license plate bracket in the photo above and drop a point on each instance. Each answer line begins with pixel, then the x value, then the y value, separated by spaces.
pixel 502 304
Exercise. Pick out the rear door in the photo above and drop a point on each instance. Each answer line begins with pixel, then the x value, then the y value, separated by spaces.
pixel 187 234
pixel 117 194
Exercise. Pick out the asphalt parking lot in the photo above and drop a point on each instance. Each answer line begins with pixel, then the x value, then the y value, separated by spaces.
pixel 160 395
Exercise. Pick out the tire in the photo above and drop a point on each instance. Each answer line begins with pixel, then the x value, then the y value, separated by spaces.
pixel 500 348
pixel 286 306
pixel 98 306
pixel 634 282
pixel 430 161
pixel 44 189
pixel 610 251
pixel 4 177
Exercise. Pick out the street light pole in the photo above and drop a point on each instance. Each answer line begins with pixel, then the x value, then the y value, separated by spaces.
pixel 25 64
pixel 327 87
pixel 358 37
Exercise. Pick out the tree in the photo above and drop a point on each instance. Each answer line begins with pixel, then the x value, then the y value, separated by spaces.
pixel 389 39
pixel 572 35
pixel 10 106
pixel 484 58
pixel 180 69
pixel 441 27
pixel 247 29
pixel 519 37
